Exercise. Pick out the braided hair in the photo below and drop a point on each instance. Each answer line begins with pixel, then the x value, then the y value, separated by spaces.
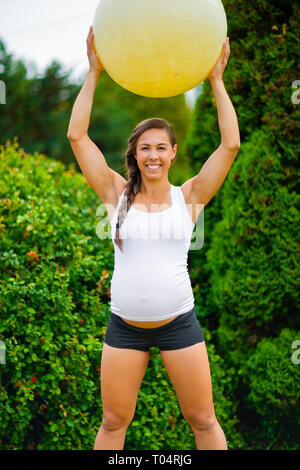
pixel 133 172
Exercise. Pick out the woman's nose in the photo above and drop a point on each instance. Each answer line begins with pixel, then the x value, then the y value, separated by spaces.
pixel 153 153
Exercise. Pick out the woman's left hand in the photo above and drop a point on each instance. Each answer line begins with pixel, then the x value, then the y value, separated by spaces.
pixel 219 67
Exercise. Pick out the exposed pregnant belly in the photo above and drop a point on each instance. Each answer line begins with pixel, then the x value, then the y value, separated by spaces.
pixel 146 301
pixel 150 324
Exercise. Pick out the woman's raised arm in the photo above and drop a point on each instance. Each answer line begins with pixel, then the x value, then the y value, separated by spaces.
pixel 106 182
pixel 228 123
pixel 202 187
pixel 80 117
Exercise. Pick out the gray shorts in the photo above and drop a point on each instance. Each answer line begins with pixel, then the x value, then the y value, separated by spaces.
pixel 182 332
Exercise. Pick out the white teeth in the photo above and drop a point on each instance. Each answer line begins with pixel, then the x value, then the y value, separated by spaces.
pixel 153 167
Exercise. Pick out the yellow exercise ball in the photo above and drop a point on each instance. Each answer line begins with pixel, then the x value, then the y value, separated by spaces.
pixel 159 48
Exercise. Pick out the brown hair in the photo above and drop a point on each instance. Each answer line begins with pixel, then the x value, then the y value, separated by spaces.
pixel 133 172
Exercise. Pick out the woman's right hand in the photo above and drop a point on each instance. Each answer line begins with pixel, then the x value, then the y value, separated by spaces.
pixel 94 60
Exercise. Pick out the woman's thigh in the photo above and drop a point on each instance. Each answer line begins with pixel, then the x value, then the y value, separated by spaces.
pixel 121 374
pixel 189 371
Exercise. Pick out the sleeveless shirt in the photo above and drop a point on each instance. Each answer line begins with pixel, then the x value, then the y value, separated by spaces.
pixel 150 281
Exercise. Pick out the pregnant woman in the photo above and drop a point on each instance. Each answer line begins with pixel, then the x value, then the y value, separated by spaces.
pixel 152 302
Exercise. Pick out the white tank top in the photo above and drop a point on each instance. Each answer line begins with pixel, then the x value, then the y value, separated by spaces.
pixel 150 281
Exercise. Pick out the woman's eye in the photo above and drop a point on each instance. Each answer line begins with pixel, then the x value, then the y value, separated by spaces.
pixel 159 148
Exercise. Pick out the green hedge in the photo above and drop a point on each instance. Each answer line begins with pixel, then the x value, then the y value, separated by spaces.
pixel 53 295
pixel 246 276
pixel 254 265
pixel 54 309
pixel 253 253
pixel 274 389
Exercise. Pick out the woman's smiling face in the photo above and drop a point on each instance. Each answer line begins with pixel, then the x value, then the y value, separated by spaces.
pixel 154 153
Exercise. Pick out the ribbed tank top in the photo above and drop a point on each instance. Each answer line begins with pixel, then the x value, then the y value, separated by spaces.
pixel 150 281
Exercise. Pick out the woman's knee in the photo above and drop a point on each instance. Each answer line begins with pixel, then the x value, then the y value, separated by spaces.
pixel 113 421
pixel 202 421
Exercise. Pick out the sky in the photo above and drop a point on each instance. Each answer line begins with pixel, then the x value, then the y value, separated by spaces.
pixel 40 31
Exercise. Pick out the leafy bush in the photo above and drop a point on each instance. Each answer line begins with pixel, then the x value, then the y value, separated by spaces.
pixel 246 277
pixel 274 384
pixel 275 377
pixel 53 295
pixel 254 250
pixel 253 260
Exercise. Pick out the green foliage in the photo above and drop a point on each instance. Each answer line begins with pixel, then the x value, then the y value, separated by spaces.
pixel 37 108
pixel 54 310
pixel 254 250
pixel 275 378
pixel 274 384
pixel 246 277
pixel 53 295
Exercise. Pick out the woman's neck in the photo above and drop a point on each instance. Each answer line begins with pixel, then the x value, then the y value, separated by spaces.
pixel 149 189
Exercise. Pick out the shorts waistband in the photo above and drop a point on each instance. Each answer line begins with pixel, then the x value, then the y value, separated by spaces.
pixel 182 316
